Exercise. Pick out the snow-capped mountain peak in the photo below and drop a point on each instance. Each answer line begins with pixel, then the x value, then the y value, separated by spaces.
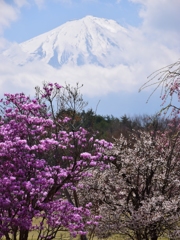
pixel 89 40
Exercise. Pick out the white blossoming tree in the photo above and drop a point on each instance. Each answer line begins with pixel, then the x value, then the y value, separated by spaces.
pixel 138 196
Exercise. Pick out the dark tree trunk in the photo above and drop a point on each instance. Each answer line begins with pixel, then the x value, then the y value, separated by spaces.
pixel 23 234
pixel 7 236
pixel 138 235
pixel 83 237
pixel 154 236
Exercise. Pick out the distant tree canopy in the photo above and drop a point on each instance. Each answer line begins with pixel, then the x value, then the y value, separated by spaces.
pixel 109 126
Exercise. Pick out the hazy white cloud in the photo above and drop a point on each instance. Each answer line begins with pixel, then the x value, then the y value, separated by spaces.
pixel 20 3
pixel 161 14
pixel 96 80
pixel 160 21
pixel 10 11
pixel 8 14
pixel 75 1
pixel 39 3
pixel 4 44
pixel 116 88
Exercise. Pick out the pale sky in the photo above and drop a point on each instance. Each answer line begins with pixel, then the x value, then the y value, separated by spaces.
pixel 153 23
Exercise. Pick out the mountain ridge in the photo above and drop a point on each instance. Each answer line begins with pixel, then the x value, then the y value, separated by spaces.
pixel 90 40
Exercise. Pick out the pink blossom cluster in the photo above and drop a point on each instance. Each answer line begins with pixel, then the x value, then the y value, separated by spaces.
pixel 41 165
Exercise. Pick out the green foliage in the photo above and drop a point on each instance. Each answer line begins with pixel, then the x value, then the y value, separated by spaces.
pixel 109 126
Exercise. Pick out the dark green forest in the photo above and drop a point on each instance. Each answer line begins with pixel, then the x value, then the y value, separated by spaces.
pixel 109 127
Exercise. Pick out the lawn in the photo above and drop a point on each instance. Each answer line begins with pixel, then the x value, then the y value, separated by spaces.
pixel 64 235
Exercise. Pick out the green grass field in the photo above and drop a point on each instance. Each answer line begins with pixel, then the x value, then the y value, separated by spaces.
pixel 64 235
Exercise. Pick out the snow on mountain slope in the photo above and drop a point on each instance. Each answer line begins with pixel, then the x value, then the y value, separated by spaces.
pixel 90 40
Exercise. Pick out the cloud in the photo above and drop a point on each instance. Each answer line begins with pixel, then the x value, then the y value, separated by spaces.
pixel 8 14
pixel 20 3
pixel 39 3
pixel 161 14
pixel 116 88
pixel 160 21
pixel 4 44
pixel 10 11
pixel 97 81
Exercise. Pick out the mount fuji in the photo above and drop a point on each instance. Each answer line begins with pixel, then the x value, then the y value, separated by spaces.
pixel 90 40
pixel 110 61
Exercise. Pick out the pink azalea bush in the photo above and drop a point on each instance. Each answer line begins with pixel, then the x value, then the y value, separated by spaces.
pixel 41 164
